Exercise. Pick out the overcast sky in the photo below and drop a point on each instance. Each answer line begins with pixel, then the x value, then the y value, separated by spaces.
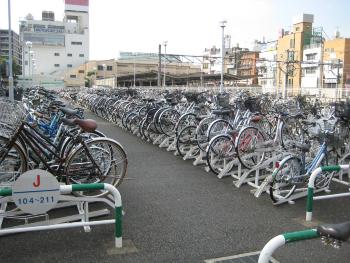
pixel 189 26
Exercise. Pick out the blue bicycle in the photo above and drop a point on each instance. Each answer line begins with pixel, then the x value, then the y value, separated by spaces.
pixel 293 172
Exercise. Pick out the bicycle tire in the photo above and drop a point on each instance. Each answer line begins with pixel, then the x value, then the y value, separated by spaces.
pixel 13 162
pixel 110 157
pixel 186 139
pixel 246 145
pixel 220 151
pixel 283 184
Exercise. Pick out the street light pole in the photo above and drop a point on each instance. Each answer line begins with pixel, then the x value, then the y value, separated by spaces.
pixel 11 91
pixel 165 43
pixel 134 72
pixel 223 24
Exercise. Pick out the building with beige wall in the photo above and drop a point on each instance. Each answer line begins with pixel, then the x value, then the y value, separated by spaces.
pixel 337 59
pixel 108 72
pixel 290 48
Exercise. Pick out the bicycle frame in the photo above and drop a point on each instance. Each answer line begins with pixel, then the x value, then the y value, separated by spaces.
pixel 43 148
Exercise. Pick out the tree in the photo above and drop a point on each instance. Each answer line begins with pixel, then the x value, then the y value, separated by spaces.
pixel 16 69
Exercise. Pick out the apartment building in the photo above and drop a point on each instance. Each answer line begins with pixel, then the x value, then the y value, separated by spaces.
pixel 336 72
pixel 267 66
pixel 51 47
pixel 16 46
pixel 290 51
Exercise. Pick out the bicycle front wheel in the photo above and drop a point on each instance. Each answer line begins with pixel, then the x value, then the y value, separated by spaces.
pixel 101 160
pixel 248 147
pixel 220 152
pixel 13 162
pixel 286 178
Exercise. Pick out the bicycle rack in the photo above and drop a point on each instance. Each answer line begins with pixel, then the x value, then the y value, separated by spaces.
pixel 340 178
pixel 228 167
pixel 83 215
pixel 201 158
pixel 190 154
pixel 159 139
pixel 311 187
pixel 172 146
pixel 166 142
pixel 283 239
pixel 267 165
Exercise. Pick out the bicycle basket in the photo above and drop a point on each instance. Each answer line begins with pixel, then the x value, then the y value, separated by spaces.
pixel 342 109
pixel 223 100
pixel 11 116
pixel 252 104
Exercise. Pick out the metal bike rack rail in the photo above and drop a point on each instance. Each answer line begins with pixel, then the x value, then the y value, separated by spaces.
pixel 311 187
pixel 67 189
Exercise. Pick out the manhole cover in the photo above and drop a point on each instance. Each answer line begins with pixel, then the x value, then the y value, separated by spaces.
pixel 251 257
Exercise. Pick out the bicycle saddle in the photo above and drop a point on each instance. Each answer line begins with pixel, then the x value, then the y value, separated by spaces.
pixel 221 112
pixel 69 111
pixel 87 125
pixel 257 118
pixel 337 231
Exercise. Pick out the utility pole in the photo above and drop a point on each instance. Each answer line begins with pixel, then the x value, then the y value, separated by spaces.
pixel 11 91
pixel 165 44
pixel 321 71
pixel 336 85
pixel 159 65
pixel 285 93
pixel 223 24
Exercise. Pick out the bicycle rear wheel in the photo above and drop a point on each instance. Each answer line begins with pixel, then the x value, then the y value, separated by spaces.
pixel 103 160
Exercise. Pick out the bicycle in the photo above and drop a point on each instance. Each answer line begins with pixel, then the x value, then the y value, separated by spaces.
pixel 82 161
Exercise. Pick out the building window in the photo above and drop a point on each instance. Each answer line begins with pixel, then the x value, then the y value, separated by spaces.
pixel 57 54
pixel 73 76
pixel 292 43
pixel 57 65
pixel 69 54
pixel 69 65
pixel 311 56
pixel 311 70
pixel 81 55
pixel 76 43
pixel 297 28
pixel 109 68
pixel 81 71
pixel 99 67
pixel 26 62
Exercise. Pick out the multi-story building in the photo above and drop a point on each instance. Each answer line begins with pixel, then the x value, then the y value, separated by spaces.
pixel 212 60
pixel 246 68
pixel 267 66
pixel 16 46
pixel 232 58
pixel 311 77
pixel 52 47
pixel 336 71
pixel 144 66
pixel 290 53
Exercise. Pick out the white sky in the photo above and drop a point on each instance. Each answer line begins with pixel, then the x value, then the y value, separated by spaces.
pixel 189 26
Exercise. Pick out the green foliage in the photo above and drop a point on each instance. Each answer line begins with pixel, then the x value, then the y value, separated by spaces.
pixel 16 69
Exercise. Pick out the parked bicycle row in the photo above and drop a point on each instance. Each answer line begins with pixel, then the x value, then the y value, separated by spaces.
pixel 266 142
pixel 41 132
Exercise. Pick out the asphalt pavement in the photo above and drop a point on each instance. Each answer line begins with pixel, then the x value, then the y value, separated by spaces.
pixel 176 212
